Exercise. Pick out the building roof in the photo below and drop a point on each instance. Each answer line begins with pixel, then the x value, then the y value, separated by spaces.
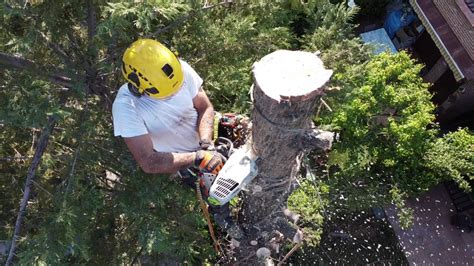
pixel 469 4
pixel 380 40
pixel 451 26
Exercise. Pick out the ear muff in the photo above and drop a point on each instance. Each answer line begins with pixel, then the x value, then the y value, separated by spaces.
pixel 133 77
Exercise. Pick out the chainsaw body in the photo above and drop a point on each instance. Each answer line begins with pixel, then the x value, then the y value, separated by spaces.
pixel 239 170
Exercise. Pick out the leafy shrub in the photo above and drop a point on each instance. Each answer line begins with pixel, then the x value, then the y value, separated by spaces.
pixel 384 120
pixel 452 157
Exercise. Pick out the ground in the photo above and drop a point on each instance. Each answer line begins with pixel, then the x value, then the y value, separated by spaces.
pixel 354 239
pixel 432 239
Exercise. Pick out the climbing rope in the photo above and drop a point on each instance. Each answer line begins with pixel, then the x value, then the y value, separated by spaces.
pixel 208 218
pixel 295 247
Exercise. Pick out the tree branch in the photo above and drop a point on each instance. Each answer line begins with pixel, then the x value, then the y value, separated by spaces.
pixel 91 20
pixel 12 158
pixel 42 144
pixel 92 74
pixel 57 49
pixel 54 75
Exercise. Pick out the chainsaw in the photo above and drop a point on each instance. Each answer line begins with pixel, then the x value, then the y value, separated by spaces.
pixel 238 171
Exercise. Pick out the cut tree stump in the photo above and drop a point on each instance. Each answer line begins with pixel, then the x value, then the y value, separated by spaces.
pixel 287 87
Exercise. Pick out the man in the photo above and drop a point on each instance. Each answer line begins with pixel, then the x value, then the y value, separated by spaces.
pixel 164 115
pixel 162 112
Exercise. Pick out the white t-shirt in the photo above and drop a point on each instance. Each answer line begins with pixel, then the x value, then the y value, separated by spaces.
pixel 171 123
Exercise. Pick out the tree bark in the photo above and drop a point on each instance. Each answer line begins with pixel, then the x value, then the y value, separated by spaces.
pixel 287 86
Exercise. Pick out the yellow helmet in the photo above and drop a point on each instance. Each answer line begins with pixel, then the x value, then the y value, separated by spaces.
pixel 152 69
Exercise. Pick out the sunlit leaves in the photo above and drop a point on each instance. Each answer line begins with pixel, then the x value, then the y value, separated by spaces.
pixel 384 124
pixel 453 156
pixel 405 214
pixel 309 201
pixel 139 19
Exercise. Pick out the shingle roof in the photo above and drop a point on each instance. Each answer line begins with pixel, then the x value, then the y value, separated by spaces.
pixel 452 31
pixel 470 4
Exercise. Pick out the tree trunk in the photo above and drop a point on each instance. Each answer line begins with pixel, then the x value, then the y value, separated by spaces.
pixel 287 86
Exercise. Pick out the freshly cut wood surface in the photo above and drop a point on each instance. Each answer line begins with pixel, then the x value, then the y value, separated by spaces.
pixel 284 74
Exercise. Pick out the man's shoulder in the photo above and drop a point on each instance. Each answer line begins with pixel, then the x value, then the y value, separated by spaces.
pixel 124 99
pixel 185 65
pixel 192 79
pixel 187 68
pixel 123 94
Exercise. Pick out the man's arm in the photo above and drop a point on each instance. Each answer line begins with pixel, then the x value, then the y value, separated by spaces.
pixel 205 122
pixel 153 162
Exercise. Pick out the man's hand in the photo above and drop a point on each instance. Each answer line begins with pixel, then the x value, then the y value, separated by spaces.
pixel 207 145
pixel 209 161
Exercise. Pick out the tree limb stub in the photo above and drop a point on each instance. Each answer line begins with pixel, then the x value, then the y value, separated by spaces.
pixel 287 86
pixel 42 144
pixel 318 140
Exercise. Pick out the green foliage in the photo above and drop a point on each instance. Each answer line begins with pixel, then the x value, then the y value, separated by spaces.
pixel 126 21
pixel 384 125
pixel 22 100
pixel 405 214
pixel 67 232
pixel 222 45
pixel 330 25
pixel 389 147
pixel 452 156
pixel 309 201
pixel 346 57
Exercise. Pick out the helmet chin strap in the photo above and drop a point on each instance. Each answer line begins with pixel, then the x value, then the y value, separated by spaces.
pixel 134 90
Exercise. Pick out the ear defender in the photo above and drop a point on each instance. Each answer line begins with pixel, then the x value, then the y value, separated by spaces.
pixel 133 77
